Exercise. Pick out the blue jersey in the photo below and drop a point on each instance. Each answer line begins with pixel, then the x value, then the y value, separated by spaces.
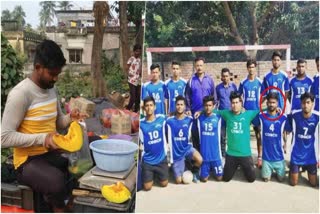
pixel 179 134
pixel 209 136
pixel 297 88
pixel 279 80
pixel 305 144
pixel 271 137
pixel 173 89
pixel 315 91
pixel 152 136
pixel 157 91
pixel 250 91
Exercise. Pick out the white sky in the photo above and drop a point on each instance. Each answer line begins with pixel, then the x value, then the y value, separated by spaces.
pixel 32 9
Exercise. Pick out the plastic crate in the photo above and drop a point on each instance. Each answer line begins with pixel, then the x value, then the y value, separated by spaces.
pixel 17 195
pixel 100 205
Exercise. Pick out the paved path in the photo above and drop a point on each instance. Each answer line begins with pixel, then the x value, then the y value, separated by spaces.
pixel 235 196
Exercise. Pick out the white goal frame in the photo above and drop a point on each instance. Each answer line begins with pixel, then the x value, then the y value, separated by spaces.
pixel 151 50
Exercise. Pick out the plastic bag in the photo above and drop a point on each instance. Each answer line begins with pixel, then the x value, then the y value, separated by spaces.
pixel 80 162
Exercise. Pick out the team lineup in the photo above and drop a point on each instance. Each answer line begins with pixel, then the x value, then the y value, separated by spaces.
pixel 206 128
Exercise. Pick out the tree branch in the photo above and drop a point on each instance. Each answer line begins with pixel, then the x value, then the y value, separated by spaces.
pixel 233 26
pixel 266 14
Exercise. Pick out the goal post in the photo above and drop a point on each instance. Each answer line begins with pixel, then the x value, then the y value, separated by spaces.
pixel 151 50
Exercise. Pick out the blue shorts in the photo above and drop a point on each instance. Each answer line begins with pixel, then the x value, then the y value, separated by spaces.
pixel 268 167
pixel 178 167
pixel 208 166
pixel 311 168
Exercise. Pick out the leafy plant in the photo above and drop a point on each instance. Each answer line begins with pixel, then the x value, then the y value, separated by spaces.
pixel 11 70
pixel 70 85
pixel 113 75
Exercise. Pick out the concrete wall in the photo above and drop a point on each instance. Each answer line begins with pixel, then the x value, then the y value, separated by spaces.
pixel 110 41
pixel 238 69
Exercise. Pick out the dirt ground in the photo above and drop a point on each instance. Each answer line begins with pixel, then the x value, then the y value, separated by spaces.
pixel 235 196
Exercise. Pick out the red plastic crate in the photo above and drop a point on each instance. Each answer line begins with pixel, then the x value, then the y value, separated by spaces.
pixel 12 209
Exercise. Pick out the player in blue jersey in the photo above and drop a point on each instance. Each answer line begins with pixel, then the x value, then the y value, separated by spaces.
pixel 174 86
pixel 250 89
pixel 277 78
pixel 209 127
pixel 179 136
pixel 152 137
pixel 315 87
pixel 304 124
pixel 299 84
pixel 273 140
pixel 156 89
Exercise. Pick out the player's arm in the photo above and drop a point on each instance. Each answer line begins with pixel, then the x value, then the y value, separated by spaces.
pixel 286 87
pixel 188 94
pixel 141 140
pixel 284 137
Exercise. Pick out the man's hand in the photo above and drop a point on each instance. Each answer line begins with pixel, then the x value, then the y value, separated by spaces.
pixel 77 115
pixel 197 114
pixel 279 110
pixel 48 143
pixel 188 113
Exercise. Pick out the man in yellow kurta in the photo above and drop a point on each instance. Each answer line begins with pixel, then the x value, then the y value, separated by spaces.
pixel 31 116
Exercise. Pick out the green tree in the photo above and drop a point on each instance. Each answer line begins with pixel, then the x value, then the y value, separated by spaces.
pixel 11 70
pixel 6 15
pixel 234 23
pixel 65 5
pixel 18 14
pixel 47 13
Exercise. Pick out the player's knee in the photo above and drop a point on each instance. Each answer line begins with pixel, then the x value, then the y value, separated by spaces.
pixel 147 186
pixel 226 178
pixel 293 182
pixel 219 178
pixel 204 180
pixel 178 180
pixel 164 183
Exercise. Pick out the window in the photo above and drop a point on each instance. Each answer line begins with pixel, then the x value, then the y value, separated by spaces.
pixel 75 55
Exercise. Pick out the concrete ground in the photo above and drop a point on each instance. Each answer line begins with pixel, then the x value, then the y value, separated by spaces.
pixel 235 196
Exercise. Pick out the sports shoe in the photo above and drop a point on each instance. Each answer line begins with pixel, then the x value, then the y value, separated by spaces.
pixel 259 163
pixel 195 178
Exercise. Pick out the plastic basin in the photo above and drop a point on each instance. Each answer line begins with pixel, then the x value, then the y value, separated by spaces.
pixel 113 155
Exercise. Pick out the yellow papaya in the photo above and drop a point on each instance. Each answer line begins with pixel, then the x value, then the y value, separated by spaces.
pixel 116 193
pixel 72 141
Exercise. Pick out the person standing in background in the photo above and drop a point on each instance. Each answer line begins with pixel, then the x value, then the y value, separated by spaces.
pixel 299 84
pixel 199 85
pixel 175 86
pixel 156 89
pixel 134 67
pixel 250 89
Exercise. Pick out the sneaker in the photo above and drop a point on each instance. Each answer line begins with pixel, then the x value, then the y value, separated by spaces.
pixel 259 163
pixel 195 178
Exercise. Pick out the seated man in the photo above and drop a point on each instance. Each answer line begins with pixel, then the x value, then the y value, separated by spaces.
pixel 209 126
pixel 152 137
pixel 30 119
pixel 179 135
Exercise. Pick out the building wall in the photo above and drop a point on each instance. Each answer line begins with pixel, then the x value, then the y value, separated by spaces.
pixel 238 69
pixel 111 42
